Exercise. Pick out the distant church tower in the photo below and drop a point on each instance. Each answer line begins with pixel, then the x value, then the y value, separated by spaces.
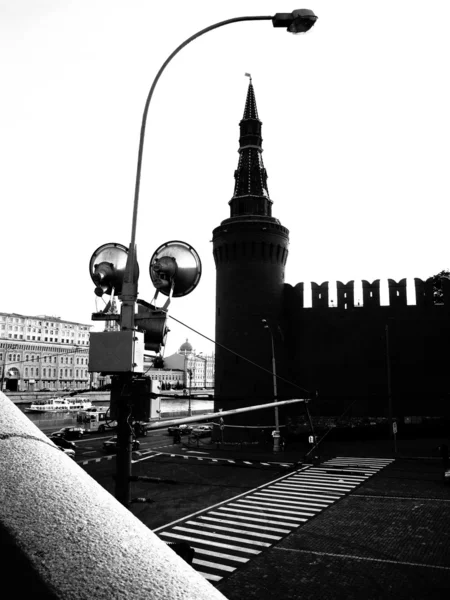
pixel 250 251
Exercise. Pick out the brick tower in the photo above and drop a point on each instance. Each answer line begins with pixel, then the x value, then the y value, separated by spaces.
pixel 250 251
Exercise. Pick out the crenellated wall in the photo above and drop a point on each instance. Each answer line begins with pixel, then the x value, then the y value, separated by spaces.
pixel 371 297
pixel 342 349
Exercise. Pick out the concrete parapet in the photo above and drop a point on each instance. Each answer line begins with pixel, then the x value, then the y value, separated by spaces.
pixel 74 540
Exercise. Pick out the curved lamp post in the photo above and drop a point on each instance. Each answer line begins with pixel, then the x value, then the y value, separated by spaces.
pixel 298 21
pixel 276 433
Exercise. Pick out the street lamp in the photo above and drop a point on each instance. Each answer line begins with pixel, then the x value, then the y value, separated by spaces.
pixel 299 21
pixel 276 433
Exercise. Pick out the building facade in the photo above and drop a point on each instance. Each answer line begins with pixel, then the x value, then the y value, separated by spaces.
pixel 197 369
pixel 43 353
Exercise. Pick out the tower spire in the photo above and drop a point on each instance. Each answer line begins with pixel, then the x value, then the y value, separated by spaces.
pixel 251 194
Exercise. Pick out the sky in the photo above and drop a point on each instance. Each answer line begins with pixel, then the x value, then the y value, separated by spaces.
pixel 356 130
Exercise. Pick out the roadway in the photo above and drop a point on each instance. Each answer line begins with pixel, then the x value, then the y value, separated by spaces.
pixel 229 510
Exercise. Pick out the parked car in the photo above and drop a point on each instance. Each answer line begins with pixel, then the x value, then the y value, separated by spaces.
pixel 68 451
pixel 69 433
pixel 111 444
pixel 183 429
pixel 62 442
pixel 203 430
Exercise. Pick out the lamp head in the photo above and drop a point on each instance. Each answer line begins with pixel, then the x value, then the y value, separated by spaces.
pixel 107 268
pixel 298 21
pixel 175 263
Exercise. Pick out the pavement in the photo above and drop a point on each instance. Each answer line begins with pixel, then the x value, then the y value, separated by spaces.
pixel 303 452
pixel 388 538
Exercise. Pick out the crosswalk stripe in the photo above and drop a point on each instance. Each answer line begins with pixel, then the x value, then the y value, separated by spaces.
pixel 188 538
pixel 288 495
pixel 319 487
pixel 211 565
pixel 324 481
pixel 333 476
pixel 292 496
pixel 229 557
pixel 222 528
pixel 377 461
pixel 257 503
pixel 229 534
pixel 210 577
pixel 290 502
pixel 247 514
pixel 337 476
pixel 246 524
pixel 222 536
pixel 301 493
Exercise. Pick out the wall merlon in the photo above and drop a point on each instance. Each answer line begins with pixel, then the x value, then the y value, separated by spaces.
pixel 390 293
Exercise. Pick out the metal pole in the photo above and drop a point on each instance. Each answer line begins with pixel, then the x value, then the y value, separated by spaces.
pixel 276 439
pixel 388 370
pixel 130 283
pixel 222 413
pixel 124 440
pixel 190 384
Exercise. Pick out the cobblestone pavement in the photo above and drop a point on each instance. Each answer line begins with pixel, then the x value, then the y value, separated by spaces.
pixel 389 538
pixel 229 535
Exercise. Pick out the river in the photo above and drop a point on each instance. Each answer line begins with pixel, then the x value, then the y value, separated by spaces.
pixel 170 408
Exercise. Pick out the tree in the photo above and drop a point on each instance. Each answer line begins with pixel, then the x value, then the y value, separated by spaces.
pixel 438 293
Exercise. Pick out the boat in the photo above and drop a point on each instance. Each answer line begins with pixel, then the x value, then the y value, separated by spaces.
pixel 59 405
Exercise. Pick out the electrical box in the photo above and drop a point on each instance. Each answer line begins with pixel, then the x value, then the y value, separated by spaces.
pixel 116 352
pixel 144 406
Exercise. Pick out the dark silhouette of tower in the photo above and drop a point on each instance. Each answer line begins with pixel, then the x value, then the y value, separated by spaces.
pixel 250 252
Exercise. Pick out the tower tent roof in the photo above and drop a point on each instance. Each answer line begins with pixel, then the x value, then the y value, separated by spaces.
pixel 251 194
pixel 250 111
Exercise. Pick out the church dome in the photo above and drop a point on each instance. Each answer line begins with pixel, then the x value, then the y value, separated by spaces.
pixel 186 347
